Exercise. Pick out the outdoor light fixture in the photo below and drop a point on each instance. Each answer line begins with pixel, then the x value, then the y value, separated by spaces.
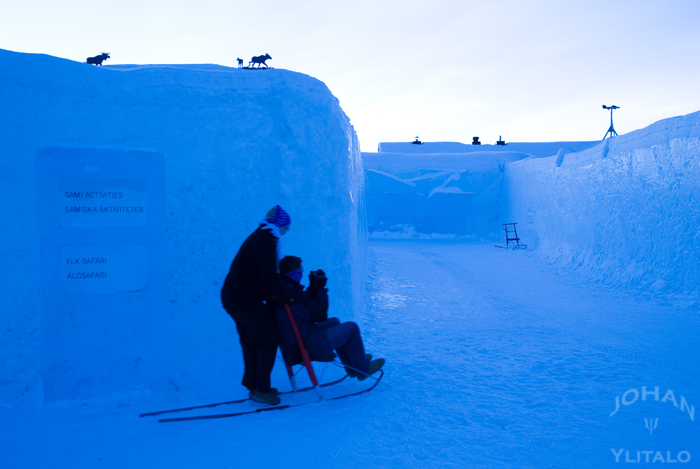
pixel 611 130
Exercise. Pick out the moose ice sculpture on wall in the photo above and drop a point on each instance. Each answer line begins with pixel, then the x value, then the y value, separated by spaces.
pixel 258 60
pixel 98 59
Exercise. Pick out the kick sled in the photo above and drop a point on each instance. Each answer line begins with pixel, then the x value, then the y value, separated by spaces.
pixel 290 360
pixel 512 240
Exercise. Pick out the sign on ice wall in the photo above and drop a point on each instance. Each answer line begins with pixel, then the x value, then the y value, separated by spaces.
pixel 102 217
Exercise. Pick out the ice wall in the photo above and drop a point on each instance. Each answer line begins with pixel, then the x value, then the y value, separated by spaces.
pixel 537 149
pixel 625 210
pixel 236 142
pixel 435 194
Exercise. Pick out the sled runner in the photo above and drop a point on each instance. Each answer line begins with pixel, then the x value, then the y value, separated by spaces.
pixel 266 409
pixel 290 362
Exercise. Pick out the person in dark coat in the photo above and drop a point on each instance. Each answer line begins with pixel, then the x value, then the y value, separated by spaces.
pixel 252 279
pixel 321 335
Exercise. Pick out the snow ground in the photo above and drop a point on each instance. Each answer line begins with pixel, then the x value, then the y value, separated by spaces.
pixel 495 359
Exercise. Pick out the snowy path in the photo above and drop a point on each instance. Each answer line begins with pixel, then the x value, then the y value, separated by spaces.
pixel 502 362
pixel 494 360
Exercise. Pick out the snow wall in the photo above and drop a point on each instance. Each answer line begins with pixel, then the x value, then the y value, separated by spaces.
pixel 625 210
pixel 235 143
pixel 444 189
pixel 538 149
pixel 441 194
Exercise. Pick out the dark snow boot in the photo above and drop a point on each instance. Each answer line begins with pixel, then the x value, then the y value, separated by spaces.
pixel 269 398
pixel 272 390
pixel 374 366
pixel 352 373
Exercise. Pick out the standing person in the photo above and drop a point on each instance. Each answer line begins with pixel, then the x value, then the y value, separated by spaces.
pixel 253 278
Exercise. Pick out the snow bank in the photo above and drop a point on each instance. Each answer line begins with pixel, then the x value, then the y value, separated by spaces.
pixel 538 149
pixel 411 195
pixel 236 142
pixel 625 210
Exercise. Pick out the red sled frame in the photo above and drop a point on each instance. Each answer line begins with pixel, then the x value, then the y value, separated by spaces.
pixel 306 361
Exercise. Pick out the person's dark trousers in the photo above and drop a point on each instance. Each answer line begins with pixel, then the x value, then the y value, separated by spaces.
pixel 259 339
pixel 346 340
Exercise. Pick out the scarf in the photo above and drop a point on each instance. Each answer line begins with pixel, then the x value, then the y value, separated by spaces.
pixel 295 275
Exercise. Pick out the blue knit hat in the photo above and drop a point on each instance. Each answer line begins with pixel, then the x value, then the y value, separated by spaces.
pixel 278 217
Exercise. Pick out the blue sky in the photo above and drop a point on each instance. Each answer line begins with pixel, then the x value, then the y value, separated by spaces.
pixel 442 70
